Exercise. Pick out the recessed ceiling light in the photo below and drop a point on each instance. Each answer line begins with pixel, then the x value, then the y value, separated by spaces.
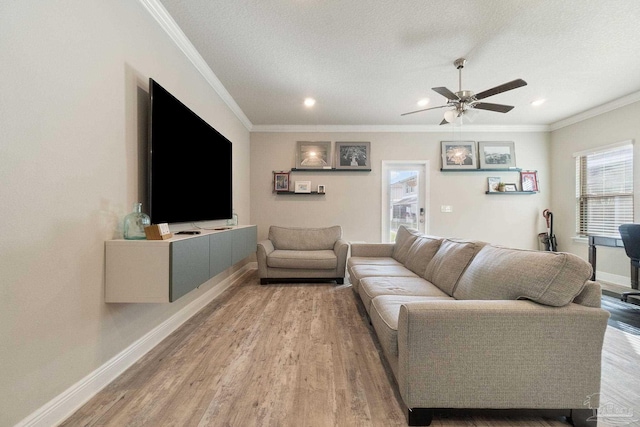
pixel 423 102
pixel 538 102
pixel 309 102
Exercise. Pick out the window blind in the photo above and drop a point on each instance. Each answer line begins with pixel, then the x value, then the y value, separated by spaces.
pixel 604 191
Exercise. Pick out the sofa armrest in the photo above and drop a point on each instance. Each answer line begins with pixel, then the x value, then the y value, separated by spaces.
pixel 341 249
pixel 499 354
pixel 372 249
pixel 265 247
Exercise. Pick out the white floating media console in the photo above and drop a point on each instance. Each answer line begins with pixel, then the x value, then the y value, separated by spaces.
pixel 140 271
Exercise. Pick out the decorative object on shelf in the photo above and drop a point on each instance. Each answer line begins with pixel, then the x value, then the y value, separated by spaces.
pixel 500 187
pixel 321 189
pixel 135 222
pixel 353 155
pixel 233 221
pixel 493 182
pixel 281 181
pixel 158 232
pixel 497 155
pixel 529 180
pixel 303 187
pixel 459 155
pixel 510 187
pixel 313 155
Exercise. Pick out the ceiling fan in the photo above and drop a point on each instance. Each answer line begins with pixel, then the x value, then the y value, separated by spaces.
pixel 464 102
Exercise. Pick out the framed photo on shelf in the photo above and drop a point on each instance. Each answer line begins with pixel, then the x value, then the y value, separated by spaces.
pixel 353 155
pixel 529 180
pixel 303 187
pixel 510 187
pixel 459 155
pixel 497 155
pixel 313 155
pixel 493 182
pixel 281 181
pixel 321 189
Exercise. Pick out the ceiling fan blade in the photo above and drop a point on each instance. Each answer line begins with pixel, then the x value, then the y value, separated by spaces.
pixel 446 93
pixel 424 109
pixel 500 108
pixel 514 84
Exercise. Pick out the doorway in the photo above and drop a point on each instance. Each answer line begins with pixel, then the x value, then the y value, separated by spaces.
pixel 404 196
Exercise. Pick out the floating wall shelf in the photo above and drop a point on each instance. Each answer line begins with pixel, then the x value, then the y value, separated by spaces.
pixel 330 170
pixel 482 170
pixel 510 192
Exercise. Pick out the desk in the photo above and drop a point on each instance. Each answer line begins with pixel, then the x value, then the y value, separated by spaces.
pixel 603 241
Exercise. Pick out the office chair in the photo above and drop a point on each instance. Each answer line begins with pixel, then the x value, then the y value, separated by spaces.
pixel 630 234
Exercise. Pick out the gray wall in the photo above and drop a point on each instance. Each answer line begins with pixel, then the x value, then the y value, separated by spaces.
pixel 73 80
pixel 353 199
pixel 604 129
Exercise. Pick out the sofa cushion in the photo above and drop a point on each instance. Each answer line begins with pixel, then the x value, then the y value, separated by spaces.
pixel 421 252
pixel 363 270
pixel 353 261
pixel 449 262
pixel 384 313
pixel 304 239
pixel 371 287
pixel 317 260
pixel 404 239
pixel 499 273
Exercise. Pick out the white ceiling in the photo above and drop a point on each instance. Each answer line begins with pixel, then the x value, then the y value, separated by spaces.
pixel 366 62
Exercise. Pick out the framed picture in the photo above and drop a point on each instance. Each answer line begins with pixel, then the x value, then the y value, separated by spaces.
pixel 353 155
pixel 281 181
pixel 303 187
pixel 459 155
pixel 320 189
pixel 529 180
pixel 497 155
pixel 313 155
pixel 510 187
pixel 493 182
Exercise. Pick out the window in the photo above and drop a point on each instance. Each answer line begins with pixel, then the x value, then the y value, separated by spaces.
pixel 604 190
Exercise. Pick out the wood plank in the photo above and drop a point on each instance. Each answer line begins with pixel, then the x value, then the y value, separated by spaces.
pixel 296 355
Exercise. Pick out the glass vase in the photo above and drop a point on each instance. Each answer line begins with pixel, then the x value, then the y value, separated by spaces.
pixel 233 221
pixel 135 222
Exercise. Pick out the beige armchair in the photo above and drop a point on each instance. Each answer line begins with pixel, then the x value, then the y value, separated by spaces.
pixel 302 254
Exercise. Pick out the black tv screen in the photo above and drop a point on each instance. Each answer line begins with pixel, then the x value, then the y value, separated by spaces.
pixel 189 164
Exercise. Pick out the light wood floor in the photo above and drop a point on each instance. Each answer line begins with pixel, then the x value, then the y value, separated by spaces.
pixel 294 355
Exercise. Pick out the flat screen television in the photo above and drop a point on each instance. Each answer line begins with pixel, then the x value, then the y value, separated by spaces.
pixel 189 164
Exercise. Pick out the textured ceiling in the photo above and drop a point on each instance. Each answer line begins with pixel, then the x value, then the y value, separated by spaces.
pixel 366 62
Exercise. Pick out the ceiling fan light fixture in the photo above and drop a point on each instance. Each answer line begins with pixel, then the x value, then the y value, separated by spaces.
pixel 451 115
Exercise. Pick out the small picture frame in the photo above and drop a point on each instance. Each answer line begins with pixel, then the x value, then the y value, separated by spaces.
pixel 459 155
pixel 510 187
pixel 303 187
pixel 280 181
pixel 497 155
pixel 493 182
pixel 353 155
pixel 321 189
pixel 529 180
pixel 313 155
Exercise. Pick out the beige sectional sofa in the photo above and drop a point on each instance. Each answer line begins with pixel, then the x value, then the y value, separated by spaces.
pixel 296 253
pixel 466 324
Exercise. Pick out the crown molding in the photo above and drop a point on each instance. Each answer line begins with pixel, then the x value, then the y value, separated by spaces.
pixel 170 26
pixel 397 128
pixel 601 109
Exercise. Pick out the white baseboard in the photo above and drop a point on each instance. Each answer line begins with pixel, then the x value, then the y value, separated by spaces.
pixel 62 406
pixel 616 279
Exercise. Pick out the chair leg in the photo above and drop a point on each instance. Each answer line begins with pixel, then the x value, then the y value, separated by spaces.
pixel 625 295
pixel 584 417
